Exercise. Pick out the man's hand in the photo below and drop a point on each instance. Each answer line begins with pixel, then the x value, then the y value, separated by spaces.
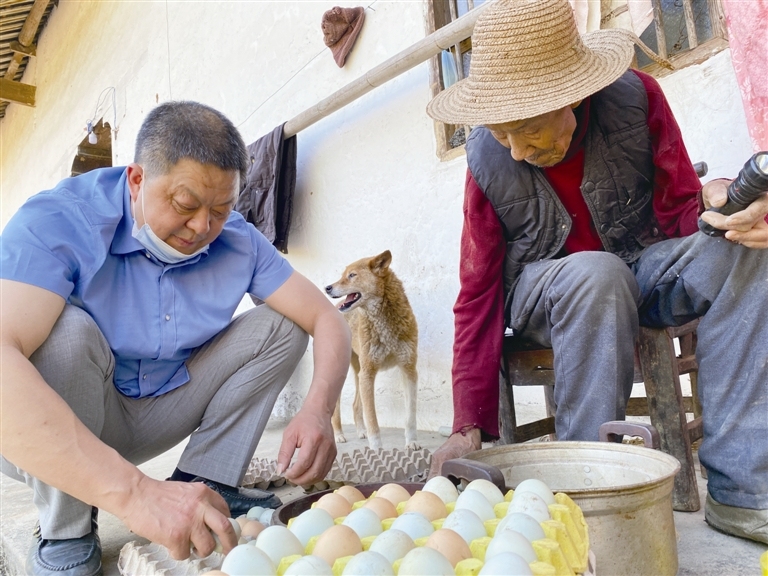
pixel 180 516
pixel 310 431
pixel 747 227
pixel 456 446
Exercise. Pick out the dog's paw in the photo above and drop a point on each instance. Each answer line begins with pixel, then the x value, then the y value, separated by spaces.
pixel 375 443
pixel 361 434
pixel 412 445
pixel 340 438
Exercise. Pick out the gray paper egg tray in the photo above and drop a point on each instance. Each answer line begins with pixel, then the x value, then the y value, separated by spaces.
pixel 360 466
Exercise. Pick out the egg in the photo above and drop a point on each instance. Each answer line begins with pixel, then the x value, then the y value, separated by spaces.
pixel 537 487
pixel 310 523
pixel 216 573
pixel 309 566
pixel 368 564
pixel 506 564
pixel 511 541
pixel 218 546
pixel 245 559
pixel 394 493
pixel 414 524
pixel 252 529
pixel 428 504
pixel 255 512
pixel 393 544
pixel 466 524
pixel 383 507
pixel 277 542
pixel 450 545
pixel 487 489
pixel 364 521
pixel 242 520
pixel 531 504
pixel 336 505
pixel 425 561
pixel 525 524
pixel 351 493
pixel 475 501
pixel 336 542
pixel 443 487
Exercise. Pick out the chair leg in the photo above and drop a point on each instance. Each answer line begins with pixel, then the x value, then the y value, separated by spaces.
pixel 667 413
pixel 507 418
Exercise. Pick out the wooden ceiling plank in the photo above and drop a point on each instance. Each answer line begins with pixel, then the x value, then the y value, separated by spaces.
pixel 17 92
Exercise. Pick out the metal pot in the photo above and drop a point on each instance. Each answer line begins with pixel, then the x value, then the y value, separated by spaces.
pixel 625 492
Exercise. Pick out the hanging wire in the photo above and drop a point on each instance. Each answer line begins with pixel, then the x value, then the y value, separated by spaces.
pixel 168 42
pixel 100 101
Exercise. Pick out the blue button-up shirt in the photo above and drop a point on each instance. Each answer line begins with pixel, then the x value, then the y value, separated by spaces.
pixel 75 241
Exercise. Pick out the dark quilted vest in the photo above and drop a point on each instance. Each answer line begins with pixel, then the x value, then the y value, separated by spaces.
pixel 617 184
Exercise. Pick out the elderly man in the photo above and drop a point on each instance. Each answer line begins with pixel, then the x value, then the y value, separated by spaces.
pixel 118 291
pixel 580 223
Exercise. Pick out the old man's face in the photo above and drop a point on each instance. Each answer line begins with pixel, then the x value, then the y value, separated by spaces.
pixel 187 207
pixel 541 141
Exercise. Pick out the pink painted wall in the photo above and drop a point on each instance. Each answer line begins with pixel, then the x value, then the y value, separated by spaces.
pixel 746 21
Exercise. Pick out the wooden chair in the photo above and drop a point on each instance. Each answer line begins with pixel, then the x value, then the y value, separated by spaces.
pixel 656 364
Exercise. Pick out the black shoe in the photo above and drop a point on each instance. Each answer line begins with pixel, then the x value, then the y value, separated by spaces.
pixel 70 557
pixel 240 500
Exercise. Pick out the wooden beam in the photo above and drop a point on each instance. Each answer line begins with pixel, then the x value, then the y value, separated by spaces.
pixel 21 49
pixel 17 92
pixel 26 36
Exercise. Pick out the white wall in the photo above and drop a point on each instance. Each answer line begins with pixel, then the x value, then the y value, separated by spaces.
pixel 369 178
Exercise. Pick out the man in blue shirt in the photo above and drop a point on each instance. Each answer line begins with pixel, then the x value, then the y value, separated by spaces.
pixel 118 291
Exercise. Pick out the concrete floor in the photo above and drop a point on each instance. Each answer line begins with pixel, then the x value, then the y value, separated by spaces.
pixel 702 551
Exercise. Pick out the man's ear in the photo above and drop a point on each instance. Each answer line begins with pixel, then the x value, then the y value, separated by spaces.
pixel 381 262
pixel 135 176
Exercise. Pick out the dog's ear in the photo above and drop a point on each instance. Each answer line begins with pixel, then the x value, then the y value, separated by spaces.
pixel 381 262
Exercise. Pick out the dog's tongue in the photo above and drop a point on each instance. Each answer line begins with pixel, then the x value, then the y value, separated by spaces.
pixel 349 299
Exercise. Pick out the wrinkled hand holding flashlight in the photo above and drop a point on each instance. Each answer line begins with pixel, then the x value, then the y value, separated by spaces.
pixel 749 185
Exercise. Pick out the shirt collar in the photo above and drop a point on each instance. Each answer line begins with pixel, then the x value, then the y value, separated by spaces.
pixel 123 241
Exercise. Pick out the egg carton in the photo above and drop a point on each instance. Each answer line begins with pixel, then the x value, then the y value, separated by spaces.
pixel 155 560
pixel 359 466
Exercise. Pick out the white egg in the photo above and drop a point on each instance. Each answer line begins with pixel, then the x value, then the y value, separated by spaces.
pixel 466 524
pixel 475 501
pixel 278 542
pixel 368 564
pixel 246 560
pixel 364 521
pixel 266 517
pixel 506 564
pixel 537 487
pixel 443 487
pixel 525 524
pixel 393 544
pixel 423 561
pixel 309 566
pixel 414 524
pixel 312 522
pixel 218 547
pixel 255 512
pixel 531 504
pixel 511 541
pixel 487 489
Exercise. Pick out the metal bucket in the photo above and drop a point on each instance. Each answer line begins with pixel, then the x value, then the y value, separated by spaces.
pixel 625 492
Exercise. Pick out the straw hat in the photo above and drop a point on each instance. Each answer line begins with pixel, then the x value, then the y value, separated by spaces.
pixel 528 59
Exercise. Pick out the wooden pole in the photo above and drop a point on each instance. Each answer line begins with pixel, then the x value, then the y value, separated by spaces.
pixel 412 56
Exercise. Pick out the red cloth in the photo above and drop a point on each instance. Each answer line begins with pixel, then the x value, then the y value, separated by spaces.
pixel 479 309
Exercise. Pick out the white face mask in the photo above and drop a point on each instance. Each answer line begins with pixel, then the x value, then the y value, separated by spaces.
pixel 157 247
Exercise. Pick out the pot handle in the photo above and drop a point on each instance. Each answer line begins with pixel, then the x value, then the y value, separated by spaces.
pixel 610 431
pixel 465 469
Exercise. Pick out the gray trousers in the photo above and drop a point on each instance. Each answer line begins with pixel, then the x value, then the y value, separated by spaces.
pixel 235 379
pixel 588 306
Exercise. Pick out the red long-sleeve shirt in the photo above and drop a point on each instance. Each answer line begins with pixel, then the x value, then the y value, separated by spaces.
pixel 479 309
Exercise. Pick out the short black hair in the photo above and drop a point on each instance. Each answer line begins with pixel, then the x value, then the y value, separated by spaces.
pixel 185 129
